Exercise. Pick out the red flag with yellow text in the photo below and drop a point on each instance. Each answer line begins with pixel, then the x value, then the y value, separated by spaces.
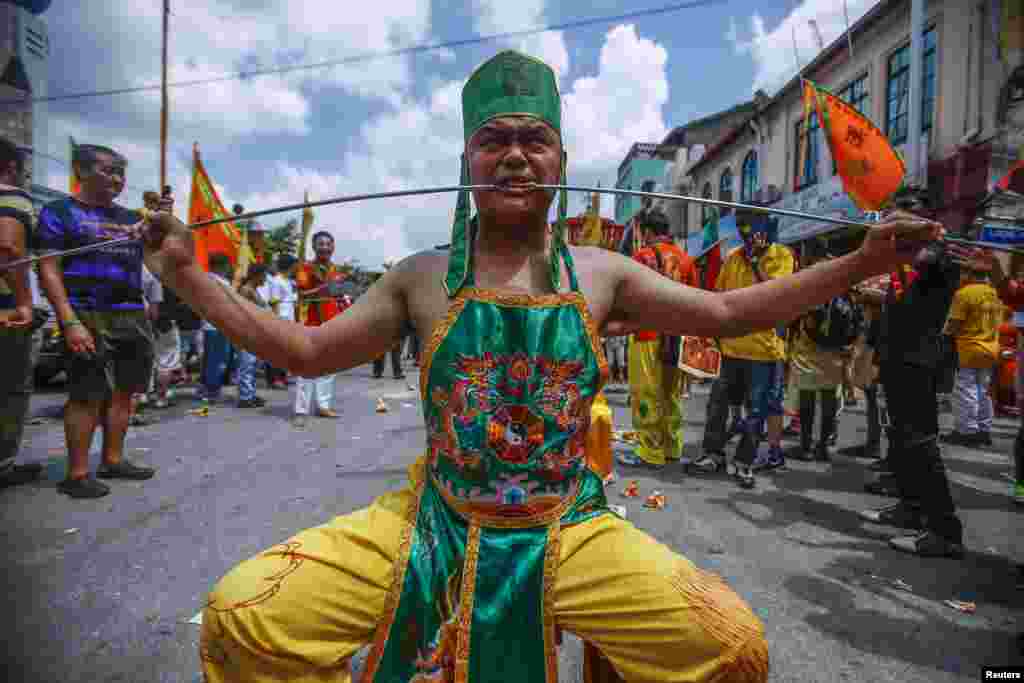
pixel 869 167
pixel 204 205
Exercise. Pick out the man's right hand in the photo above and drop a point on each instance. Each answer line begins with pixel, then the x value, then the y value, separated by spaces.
pixel 79 340
pixel 167 242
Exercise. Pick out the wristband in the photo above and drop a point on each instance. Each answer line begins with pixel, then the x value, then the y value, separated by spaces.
pixel 72 322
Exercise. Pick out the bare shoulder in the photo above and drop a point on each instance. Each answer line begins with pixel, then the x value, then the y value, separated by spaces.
pixel 413 272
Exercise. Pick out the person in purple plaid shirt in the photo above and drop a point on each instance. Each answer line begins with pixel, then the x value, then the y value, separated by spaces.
pixel 97 297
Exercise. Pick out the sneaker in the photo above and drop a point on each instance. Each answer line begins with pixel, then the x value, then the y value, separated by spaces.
pixel 125 470
pixel 900 515
pixel 882 466
pixel 792 429
pixel 634 460
pixel 708 463
pixel 83 488
pixel 1018 492
pixel 256 402
pixel 806 454
pixel 772 460
pixel 961 439
pixel 928 544
pixel 885 485
pixel 863 451
pixel 745 476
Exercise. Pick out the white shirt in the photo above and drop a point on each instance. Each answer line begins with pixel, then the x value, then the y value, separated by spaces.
pixel 283 290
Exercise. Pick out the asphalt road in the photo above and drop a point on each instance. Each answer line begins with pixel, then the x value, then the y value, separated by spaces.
pixel 104 590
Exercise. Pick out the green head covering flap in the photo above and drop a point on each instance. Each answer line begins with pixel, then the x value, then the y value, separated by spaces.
pixel 508 84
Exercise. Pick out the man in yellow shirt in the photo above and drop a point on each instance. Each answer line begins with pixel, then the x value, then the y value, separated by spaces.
pixel 973 323
pixel 754 361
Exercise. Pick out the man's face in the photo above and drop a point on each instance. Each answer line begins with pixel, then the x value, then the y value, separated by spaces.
pixel 512 151
pixel 323 247
pixel 105 179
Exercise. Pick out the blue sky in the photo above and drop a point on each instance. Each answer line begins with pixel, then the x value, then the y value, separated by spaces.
pixel 394 123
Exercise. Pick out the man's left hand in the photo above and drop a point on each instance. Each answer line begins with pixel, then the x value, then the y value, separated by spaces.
pixel 20 317
pixel 897 241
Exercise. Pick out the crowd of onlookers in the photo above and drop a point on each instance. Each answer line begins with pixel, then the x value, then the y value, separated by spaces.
pixel 132 345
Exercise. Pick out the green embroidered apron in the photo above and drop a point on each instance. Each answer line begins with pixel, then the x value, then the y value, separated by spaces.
pixel 507 384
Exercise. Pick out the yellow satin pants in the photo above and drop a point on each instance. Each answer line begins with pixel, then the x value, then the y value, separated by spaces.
pixel 657 402
pixel 298 611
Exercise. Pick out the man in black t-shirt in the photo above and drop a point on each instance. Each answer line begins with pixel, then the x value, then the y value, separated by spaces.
pixel 910 353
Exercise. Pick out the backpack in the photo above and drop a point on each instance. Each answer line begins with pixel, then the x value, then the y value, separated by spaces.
pixel 837 324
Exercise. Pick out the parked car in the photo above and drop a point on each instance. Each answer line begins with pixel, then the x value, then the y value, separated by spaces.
pixel 52 358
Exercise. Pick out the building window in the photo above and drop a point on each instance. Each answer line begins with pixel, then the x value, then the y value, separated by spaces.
pixel 748 182
pixel 856 95
pixel 811 151
pixel 725 190
pixel 896 111
pixel 706 210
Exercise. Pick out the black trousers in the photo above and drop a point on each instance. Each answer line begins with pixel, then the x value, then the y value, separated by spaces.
pixel 874 415
pixel 829 412
pixel 911 398
pixel 396 362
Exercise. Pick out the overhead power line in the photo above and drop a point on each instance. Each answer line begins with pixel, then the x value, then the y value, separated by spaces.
pixel 353 59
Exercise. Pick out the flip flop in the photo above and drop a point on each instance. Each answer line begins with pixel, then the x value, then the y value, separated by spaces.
pixel 125 470
pixel 20 474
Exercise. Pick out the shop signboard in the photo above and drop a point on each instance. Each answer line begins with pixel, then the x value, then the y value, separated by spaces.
pixel 726 230
pixel 825 198
pixel 1002 234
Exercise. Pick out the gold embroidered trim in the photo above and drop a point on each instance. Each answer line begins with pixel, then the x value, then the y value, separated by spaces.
pixel 595 341
pixel 441 329
pixel 380 639
pixel 552 557
pixel 493 296
pixel 718 610
pixel 466 603
pixel 463 510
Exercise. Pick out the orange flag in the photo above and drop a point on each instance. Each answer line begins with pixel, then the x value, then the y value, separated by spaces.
pixel 869 167
pixel 204 205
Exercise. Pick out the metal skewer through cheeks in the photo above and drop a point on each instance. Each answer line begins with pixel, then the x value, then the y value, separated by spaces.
pixel 458 188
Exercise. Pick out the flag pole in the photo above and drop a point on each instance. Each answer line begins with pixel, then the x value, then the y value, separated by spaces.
pixel 163 101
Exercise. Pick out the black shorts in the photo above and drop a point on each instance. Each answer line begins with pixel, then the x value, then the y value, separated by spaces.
pixel 124 355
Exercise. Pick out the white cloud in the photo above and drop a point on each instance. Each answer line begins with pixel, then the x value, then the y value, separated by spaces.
pixel 605 114
pixel 773 52
pixel 413 143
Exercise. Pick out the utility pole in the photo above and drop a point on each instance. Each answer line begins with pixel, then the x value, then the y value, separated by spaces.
pixel 163 102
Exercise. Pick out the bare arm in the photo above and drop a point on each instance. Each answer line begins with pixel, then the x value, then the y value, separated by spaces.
pixel 12 248
pixel 643 297
pixel 51 280
pixel 648 300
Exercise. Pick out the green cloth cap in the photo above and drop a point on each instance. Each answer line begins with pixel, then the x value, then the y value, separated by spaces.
pixel 511 83
pixel 508 84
